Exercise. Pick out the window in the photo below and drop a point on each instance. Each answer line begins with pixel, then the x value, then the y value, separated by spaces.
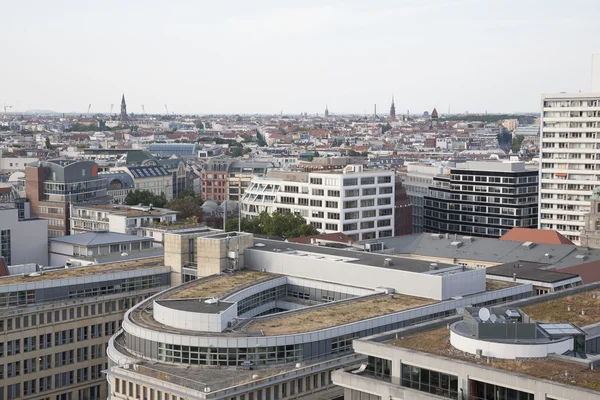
pixel 331 204
pixel 433 382
pixel 367 181
pixel 5 246
pixel 350 181
pixel 63 337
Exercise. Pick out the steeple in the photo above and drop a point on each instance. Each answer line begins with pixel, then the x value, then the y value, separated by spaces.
pixel 123 108
pixel 326 111
pixel 393 109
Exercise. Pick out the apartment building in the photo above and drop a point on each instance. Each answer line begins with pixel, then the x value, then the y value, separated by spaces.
pixel 52 186
pixel 155 179
pixel 357 202
pixel 570 169
pixel 227 178
pixel 278 328
pixel 487 353
pixel 483 198
pixel 56 325
pixel 22 240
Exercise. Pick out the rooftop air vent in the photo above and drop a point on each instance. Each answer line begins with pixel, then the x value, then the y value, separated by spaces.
pixel 437 235
pixel 468 238
pixel 388 262
pixel 529 245
pixel 456 244
pixel 581 256
pixel 548 255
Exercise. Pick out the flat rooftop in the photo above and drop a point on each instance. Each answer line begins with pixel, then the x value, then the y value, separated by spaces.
pixel 218 285
pixel 534 271
pixel 75 272
pixel 437 342
pixel 125 210
pixel 315 319
pixel 195 305
pixel 557 310
pixel 351 255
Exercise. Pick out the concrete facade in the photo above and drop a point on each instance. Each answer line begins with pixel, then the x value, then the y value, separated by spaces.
pixel 22 241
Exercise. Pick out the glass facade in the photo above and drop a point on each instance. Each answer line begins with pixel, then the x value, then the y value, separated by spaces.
pixel 223 356
pixel 5 246
pixel 434 382
pixel 487 391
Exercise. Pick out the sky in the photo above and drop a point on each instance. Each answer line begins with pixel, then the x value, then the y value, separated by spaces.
pixel 246 57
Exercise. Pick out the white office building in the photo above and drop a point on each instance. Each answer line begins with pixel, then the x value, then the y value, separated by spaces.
pixel 355 201
pixel 570 167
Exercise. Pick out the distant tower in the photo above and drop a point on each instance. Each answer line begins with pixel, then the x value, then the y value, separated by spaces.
pixel 326 112
pixel 393 109
pixel 434 117
pixel 123 109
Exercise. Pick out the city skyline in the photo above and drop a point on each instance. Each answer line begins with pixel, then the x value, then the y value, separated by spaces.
pixel 265 59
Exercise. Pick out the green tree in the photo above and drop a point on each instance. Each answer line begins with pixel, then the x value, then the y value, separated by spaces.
pixel 200 125
pixel 146 198
pixel 261 140
pixel 284 225
pixel 515 146
pixel 188 206
pixel 386 127
pixel 48 145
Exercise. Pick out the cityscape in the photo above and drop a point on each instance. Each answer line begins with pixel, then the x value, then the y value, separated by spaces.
pixel 247 233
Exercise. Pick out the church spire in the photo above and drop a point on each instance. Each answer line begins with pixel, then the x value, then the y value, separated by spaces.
pixel 393 109
pixel 123 108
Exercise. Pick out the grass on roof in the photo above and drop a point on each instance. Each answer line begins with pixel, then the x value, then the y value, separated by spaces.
pixel 491 285
pixel 75 272
pixel 556 311
pixel 325 317
pixel 437 342
pixel 217 285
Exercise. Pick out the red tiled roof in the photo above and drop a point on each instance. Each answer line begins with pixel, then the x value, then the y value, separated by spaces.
pixel 544 236
pixel 589 272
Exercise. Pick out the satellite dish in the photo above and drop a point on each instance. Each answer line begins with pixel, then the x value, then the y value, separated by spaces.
pixel 90 253
pixel 484 314
pixel 493 318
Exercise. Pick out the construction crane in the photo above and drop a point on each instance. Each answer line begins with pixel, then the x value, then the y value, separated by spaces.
pixel 88 112
pixel 5 108
pixel 166 108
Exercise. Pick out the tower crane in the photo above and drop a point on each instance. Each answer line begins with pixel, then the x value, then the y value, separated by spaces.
pixel 5 108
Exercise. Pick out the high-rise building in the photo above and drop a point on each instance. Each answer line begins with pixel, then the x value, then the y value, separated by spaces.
pixel 123 109
pixel 52 186
pixel 570 167
pixel 357 202
pixel 483 198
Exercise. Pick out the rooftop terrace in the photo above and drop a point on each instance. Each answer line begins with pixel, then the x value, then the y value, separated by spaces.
pixel 557 310
pixel 69 273
pixel 437 342
pixel 314 319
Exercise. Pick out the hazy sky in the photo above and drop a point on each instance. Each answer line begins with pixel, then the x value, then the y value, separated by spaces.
pixel 265 56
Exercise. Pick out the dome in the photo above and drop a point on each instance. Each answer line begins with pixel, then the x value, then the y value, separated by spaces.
pixel 229 205
pixel 209 205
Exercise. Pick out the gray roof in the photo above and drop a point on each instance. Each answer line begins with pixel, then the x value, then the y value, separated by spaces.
pixel 195 305
pixel 558 256
pixel 124 177
pixel 361 257
pixel 98 238
pixel 530 271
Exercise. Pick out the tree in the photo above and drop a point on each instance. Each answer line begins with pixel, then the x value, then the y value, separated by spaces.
pixel 515 146
pixel 386 127
pixel 278 224
pixel 146 198
pixel 200 125
pixel 188 206
pixel 261 140
pixel 48 145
